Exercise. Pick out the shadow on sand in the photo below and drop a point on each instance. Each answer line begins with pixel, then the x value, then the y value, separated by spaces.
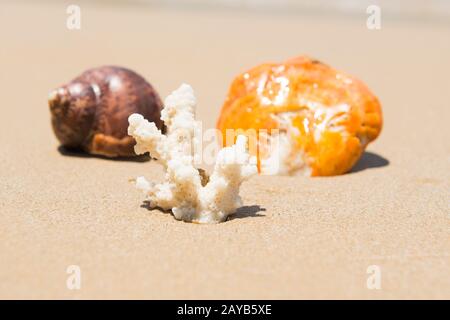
pixel 241 213
pixel 77 153
pixel 369 160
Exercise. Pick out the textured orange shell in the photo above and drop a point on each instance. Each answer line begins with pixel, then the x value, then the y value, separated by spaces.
pixel 306 89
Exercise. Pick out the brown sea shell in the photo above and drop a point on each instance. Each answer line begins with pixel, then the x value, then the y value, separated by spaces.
pixel 91 112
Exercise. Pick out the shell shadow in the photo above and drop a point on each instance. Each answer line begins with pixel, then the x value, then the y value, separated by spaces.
pixel 369 160
pixel 242 212
pixel 78 153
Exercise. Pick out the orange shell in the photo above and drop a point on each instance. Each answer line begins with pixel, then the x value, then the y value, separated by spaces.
pixel 332 116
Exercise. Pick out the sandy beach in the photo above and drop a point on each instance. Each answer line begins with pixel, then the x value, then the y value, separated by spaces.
pixel 296 237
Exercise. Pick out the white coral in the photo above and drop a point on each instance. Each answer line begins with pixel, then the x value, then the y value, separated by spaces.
pixel 182 191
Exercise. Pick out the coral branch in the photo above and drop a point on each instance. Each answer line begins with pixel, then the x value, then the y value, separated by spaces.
pixel 182 191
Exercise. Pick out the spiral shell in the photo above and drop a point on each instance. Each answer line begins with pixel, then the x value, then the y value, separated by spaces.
pixel 91 112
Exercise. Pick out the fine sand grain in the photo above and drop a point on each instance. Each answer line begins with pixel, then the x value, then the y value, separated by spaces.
pixel 296 237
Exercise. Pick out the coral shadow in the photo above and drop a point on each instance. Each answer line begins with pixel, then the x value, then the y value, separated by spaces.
pixel 369 160
pixel 77 153
pixel 147 205
pixel 248 212
pixel 242 212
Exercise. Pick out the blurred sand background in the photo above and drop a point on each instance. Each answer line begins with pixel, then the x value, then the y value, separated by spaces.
pixel 298 237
